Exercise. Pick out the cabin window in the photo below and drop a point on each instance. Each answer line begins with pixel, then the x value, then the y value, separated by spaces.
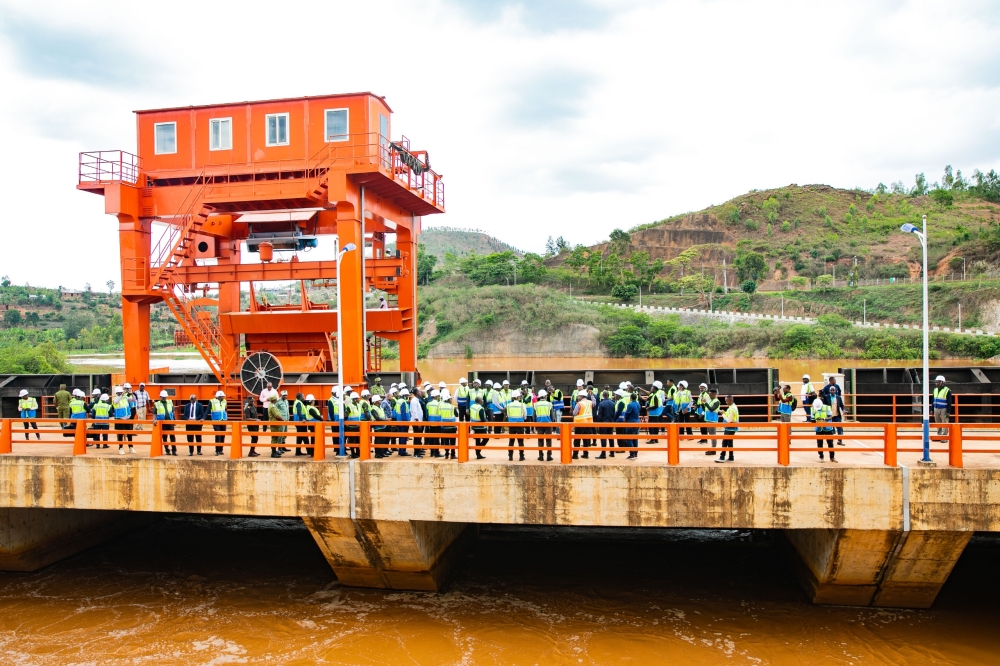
pixel 165 138
pixel 220 134
pixel 277 129
pixel 336 125
pixel 383 129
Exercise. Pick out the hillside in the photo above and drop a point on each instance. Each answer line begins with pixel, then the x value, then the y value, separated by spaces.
pixel 437 241
pixel 813 230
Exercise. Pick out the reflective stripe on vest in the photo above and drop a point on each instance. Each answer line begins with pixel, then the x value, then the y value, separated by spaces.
pixel 446 411
pixel 432 411
pixel 77 409
pixel 586 414
pixel 122 408
pixel 476 412
pixel 219 409
pixel 941 397
pixel 515 411
pixel 102 410
pixel 462 395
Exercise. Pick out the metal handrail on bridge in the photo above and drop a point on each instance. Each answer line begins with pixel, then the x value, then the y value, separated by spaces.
pixel 109 166
pixel 569 440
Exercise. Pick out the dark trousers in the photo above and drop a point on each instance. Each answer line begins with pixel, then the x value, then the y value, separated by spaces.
pixel 727 443
pixel 380 443
pixel 253 438
pixel 514 431
pixel 634 442
pixel 193 438
pixel 32 424
pixel 682 418
pixel 544 441
pixel 96 437
pixel 450 441
pixel 463 413
pixel 605 442
pixel 654 429
pixel 301 439
pixel 401 441
pixel 819 442
pixel 219 439
pixel 584 443
pixel 480 441
pixel 124 427
pixel 839 418
pixel 433 442
pixel 168 431
pixel 418 440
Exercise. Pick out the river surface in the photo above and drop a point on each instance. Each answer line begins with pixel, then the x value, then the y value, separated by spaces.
pixel 196 590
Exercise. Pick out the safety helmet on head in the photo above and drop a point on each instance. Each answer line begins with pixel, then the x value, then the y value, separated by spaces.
pixel 658 384
pixel 404 392
pixel 682 383
pixel 141 384
pixel 506 383
pixel 524 382
pixel 703 385
pixel 284 392
pixel 391 391
pixel 96 392
pixel 489 382
pixel 127 385
pixel 435 393
pixel 310 398
pixel 220 394
pixel 402 385
pixel 104 396
pixel 476 381
pixel 463 380
pixel 349 389
pixel 118 389
pixel 365 392
pixel 542 393
pixel 579 382
pixel 164 394
pixel 445 394
pixel 939 378
pixel 442 384
pixel 805 377
pixel 516 393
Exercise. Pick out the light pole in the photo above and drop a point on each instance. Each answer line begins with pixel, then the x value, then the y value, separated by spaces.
pixel 922 235
pixel 340 340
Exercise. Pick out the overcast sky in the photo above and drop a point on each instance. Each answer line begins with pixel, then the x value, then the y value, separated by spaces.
pixel 546 117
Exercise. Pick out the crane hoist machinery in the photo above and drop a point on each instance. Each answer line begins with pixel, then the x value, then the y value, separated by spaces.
pixel 225 195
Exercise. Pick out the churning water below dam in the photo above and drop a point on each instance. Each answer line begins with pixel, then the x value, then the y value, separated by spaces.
pixel 214 590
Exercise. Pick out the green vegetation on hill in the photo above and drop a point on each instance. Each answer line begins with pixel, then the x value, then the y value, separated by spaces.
pixel 439 241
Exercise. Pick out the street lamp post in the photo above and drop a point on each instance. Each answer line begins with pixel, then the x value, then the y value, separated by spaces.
pixel 340 340
pixel 922 235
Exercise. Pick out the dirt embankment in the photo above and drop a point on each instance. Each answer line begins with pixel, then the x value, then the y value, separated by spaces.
pixel 573 340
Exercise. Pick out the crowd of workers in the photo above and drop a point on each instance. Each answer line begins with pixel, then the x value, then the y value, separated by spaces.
pixel 400 413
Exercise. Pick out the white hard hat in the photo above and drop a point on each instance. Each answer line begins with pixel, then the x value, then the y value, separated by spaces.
pixel 392 390
pixel 628 383
pixel 393 385
pixel 163 394
pixel 96 392
pixel 402 385
pixel 939 378
pixel 476 381
pixel 703 385
pixel 365 392
pixel 622 385
pixel 805 376
pixel 658 384
pixel 516 393
pixel 349 389
pixel 404 392
pixel 445 394
pixel 579 382
pixel 435 393
pixel 310 397
pixel 620 392
pixel 542 393
pixel 489 382
pixel 127 385
pixel 78 393
pixel 220 394
pixel 463 380
pixel 104 396
pixel 506 382
pixel 442 384
pixel 118 389
pixel 818 401
pixel 335 390
pixel 682 383
pixel 524 382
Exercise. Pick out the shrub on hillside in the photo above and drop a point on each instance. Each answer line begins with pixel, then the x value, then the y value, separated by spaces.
pixel 833 320
pixel 624 292
pixel 943 197
pixel 751 225
pixel 786 226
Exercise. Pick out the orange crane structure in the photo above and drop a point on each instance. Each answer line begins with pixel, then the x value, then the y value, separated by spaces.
pixel 211 186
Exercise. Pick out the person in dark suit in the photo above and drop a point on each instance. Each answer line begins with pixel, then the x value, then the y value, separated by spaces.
pixel 606 414
pixel 194 412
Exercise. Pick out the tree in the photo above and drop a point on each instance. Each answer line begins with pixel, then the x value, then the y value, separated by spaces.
pixel 111 286
pixel 750 266
pixel 425 266
pixel 550 248
pixel 530 268
pixel 749 287
pixel 31 318
pixel 987 185
pixel 577 259
pixel 12 318
pixel 624 292
pixel 619 241
pixel 920 186
pixel 561 245
pixel 496 268
pixel 5 281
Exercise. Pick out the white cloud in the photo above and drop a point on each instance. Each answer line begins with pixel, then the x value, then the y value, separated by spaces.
pixel 547 117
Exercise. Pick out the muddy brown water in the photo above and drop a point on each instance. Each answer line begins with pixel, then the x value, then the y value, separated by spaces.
pixel 196 590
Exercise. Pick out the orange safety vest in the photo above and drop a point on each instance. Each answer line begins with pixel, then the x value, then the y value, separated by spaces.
pixel 586 414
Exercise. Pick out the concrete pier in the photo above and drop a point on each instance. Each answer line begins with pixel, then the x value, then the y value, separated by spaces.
pixel 861 535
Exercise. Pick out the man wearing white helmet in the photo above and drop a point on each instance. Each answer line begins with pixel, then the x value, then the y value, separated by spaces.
pixel 27 406
pixel 217 408
pixel 942 403
pixel 163 410
pixel 543 415
pixel 515 414
pixel 449 415
pixel 684 407
pixel 462 394
pixel 700 410
pixel 401 415
pixel 654 410
pixel 432 410
pixel 123 413
pixel 577 391
pixel 100 410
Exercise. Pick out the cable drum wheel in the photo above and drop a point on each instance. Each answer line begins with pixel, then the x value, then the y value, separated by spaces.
pixel 257 370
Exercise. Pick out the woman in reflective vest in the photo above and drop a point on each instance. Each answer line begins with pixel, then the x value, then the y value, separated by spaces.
pixel 711 406
pixel 477 417
pixel 515 414
pixel 446 411
pixel 543 414
pixel 164 411
pixel 821 414
pixel 101 411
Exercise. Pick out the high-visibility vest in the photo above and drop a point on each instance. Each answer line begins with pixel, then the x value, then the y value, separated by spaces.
pixel 164 410
pixel 783 406
pixel 28 404
pixel 313 414
pixel 656 403
pixel 333 408
pixel 462 395
pixel 298 410
pixel 807 388
pixel 446 411
pixel 712 410
pixel 620 413
pixel 397 409
pixel 671 396
pixel 494 400
pixel 683 399
pixel 353 411
pixel 821 413
pixel 543 411
pixel 476 412
pixel 432 410
pixel 504 396
pixel 941 397
pixel 702 399
pixel 557 399
pixel 218 407
pixel 122 408
pixel 102 410
pixel 377 412
pixel 586 414
pixel 515 411
pixel 732 415
pixel 529 403
pixel 77 409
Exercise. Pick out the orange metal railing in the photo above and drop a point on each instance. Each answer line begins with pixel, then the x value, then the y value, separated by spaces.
pixel 566 442
pixel 109 166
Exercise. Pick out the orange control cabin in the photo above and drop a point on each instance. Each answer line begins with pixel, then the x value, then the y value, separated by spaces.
pixel 214 185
